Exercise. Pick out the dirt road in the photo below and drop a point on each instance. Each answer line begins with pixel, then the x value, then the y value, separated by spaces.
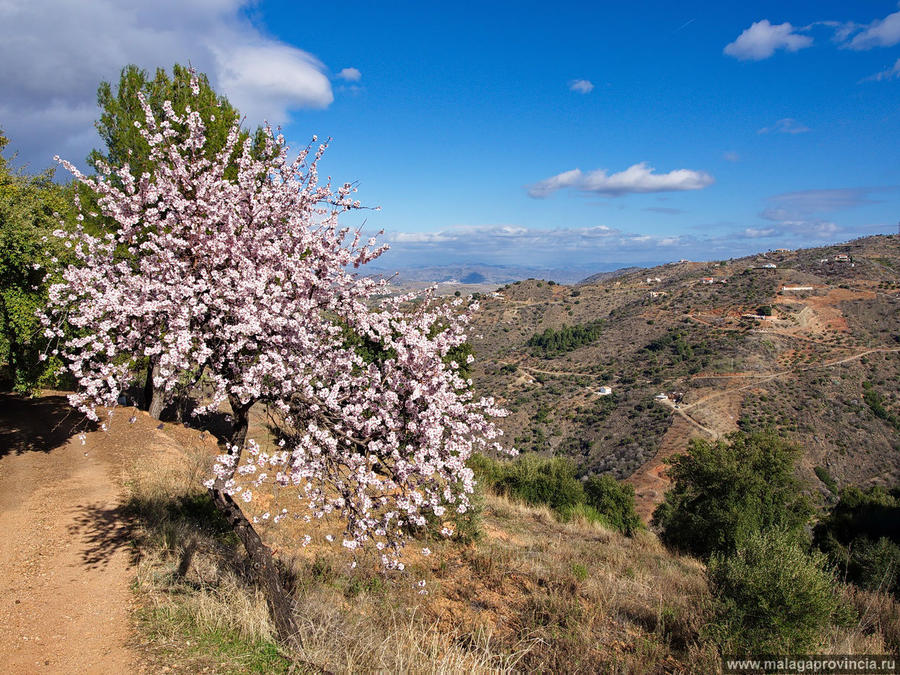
pixel 65 603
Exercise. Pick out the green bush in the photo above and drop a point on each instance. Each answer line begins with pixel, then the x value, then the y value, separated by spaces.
pixel 552 342
pixel 829 482
pixel 861 536
pixel 537 480
pixel 614 501
pixel 726 490
pixel 772 597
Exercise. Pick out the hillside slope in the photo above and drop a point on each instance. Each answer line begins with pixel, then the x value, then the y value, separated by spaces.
pixel 806 342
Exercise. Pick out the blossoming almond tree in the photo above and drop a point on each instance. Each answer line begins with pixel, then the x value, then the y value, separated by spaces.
pixel 245 282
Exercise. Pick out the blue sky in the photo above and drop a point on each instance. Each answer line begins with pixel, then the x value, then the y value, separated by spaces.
pixel 577 133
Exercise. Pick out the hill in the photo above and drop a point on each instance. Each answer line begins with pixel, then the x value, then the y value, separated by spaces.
pixel 805 342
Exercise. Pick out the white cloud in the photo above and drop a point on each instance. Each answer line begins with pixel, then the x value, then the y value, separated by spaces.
pixel 787 125
pixel 350 74
pixel 881 33
pixel 638 178
pixel 265 81
pixel 763 39
pixel 891 73
pixel 56 52
pixel 550 185
pixel 758 233
pixel 581 86
pixel 573 247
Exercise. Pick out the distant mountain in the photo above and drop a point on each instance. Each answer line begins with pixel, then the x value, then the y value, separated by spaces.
pixel 494 274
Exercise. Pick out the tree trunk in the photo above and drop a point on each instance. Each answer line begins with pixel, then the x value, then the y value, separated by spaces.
pixel 240 421
pixel 157 400
pixel 148 387
pixel 265 568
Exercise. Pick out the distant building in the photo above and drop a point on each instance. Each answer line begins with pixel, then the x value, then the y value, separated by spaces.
pixel 654 280
pixel 788 289
pixel 604 391
pixel 842 257
pixel 657 294
pixel 782 250
pixel 769 266
pixel 661 397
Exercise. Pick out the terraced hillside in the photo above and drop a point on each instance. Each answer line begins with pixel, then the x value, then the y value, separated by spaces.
pixel 804 342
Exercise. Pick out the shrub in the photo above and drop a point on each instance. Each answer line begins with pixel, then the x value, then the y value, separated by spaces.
pixel 538 480
pixel 614 501
pixel 861 536
pixel 829 482
pixel 552 342
pixel 723 491
pixel 772 597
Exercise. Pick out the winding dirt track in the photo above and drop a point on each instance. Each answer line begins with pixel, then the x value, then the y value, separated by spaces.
pixel 65 603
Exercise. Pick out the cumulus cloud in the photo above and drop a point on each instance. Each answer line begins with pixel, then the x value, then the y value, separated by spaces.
pixel 763 39
pixel 581 86
pixel 550 185
pixel 56 52
pixel 638 178
pixel 350 74
pixel 881 33
pixel 787 125
pixel 891 73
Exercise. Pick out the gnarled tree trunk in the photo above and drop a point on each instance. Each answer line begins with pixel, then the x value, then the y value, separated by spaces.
pixel 265 568
pixel 154 399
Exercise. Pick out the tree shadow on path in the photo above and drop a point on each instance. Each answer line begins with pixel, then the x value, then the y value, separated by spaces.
pixel 37 424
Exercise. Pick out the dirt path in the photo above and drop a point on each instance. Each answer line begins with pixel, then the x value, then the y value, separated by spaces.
pixel 649 481
pixel 761 378
pixel 65 603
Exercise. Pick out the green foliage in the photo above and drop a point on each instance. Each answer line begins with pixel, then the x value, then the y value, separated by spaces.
pixel 552 342
pixel 121 109
pixel 614 501
pixel 675 342
pixel 875 401
pixel 829 482
pixel 861 536
pixel 727 490
pixel 538 480
pixel 31 207
pixel 773 597
pixel 764 310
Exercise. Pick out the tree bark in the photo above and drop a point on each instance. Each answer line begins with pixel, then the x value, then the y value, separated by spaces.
pixel 240 421
pixel 148 387
pixel 154 398
pixel 265 568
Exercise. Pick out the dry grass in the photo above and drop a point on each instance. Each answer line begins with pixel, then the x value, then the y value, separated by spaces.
pixel 532 594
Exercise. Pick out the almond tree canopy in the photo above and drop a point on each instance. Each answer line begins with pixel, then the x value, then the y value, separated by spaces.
pixel 243 281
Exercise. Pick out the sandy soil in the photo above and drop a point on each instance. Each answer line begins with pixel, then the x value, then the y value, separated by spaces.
pixel 65 603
